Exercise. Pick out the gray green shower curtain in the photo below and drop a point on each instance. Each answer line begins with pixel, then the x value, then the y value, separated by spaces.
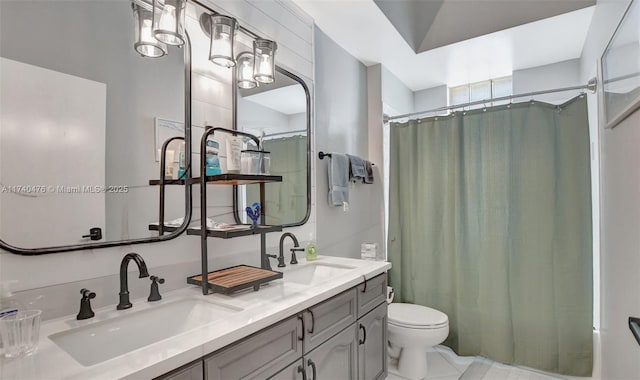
pixel 490 222
pixel 286 201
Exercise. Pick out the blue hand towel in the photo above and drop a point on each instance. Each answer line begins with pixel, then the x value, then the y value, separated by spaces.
pixel 356 168
pixel 338 180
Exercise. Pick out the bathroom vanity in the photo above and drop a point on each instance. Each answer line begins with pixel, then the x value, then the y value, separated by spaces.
pixel 324 319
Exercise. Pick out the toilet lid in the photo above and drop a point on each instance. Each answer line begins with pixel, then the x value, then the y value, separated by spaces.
pixel 415 316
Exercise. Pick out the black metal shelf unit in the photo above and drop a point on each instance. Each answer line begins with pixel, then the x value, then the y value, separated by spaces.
pixel 229 179
pixel 234 233
pixel 236 179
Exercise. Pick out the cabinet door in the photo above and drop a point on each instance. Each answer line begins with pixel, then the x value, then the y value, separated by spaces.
pixel 295 371
pixel 327 318
pixel 191 371
pixel 335 359
pixel 259 356
pixel 371 293
pixel 372 344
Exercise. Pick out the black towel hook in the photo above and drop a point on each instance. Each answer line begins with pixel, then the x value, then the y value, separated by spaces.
pixel 322 155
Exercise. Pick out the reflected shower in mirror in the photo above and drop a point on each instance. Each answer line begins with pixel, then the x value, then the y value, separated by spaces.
pixel 82 118
pixel 279 112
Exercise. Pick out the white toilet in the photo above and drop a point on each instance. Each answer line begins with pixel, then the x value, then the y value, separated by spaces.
pixel 411 330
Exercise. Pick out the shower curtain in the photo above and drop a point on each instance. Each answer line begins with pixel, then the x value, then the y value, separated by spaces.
pixel 286 201
pixel 490 222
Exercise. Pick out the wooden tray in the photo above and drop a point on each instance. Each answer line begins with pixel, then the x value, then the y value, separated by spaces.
pixel 236 278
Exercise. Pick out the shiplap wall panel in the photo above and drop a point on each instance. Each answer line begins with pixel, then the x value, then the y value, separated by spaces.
pixel 280 21
pixel 288 19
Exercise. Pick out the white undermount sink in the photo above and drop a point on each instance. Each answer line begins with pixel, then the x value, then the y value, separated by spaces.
pixel 117 336
pixel 315 273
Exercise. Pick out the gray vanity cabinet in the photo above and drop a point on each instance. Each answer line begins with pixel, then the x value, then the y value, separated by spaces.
pixel 191 371
pixel 337 358
pixel 259 356
pixel 372 344
pixel 344 337
pixel 327 318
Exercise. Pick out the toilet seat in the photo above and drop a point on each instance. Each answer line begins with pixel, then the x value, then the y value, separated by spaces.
pixel 416 316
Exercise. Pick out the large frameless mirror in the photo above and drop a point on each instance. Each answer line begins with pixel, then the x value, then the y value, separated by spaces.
pixel 83 118
pixel 279 113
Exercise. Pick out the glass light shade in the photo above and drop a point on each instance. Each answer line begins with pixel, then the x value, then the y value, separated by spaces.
pixel 145 43
pixel 264 62
pixel 168 21
pixel 244 69
pixel 223 35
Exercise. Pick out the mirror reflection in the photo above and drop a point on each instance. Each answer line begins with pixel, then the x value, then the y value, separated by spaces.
pixel 82 118
pixel 278 113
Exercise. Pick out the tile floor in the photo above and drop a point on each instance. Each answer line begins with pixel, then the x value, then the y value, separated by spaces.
pixel 444 364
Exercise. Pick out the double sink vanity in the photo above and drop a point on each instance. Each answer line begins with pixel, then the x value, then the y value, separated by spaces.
pixel 325 319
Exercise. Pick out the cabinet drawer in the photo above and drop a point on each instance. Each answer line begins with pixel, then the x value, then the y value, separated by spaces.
pixel 328 318
pixel 259 356
pixel 372 293
pixel 191 371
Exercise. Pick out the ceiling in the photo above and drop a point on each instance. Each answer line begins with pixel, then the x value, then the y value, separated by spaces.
pixel 288 100
pixel 431 24
pixel 428 43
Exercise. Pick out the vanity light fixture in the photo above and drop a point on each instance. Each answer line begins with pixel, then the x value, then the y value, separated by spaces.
pixel 145 43
pixel 245 71
pixel 168 21
pixel 264 62
pixel 223 34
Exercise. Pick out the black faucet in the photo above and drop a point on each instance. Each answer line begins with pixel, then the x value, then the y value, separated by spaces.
pixel 124 285
pixel 293 237
pixel 85 305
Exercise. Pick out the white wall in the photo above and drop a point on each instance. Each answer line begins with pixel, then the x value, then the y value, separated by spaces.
pixel 555 75
pixel 430 98
pixel 52 282
pixel 395 94
pixel 341 126
pixel 620 212
pixel 620 248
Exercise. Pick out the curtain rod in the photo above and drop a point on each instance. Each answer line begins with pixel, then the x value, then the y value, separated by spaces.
pixel 285 133
pixel 591 85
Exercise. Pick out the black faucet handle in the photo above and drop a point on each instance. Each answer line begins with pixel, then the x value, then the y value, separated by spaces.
pixel 87 294
pixel 155 289
pixel 85 305
pixel 294 260
pixel 157 279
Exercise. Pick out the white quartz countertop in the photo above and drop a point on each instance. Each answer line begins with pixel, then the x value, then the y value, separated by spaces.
pixel 272 303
